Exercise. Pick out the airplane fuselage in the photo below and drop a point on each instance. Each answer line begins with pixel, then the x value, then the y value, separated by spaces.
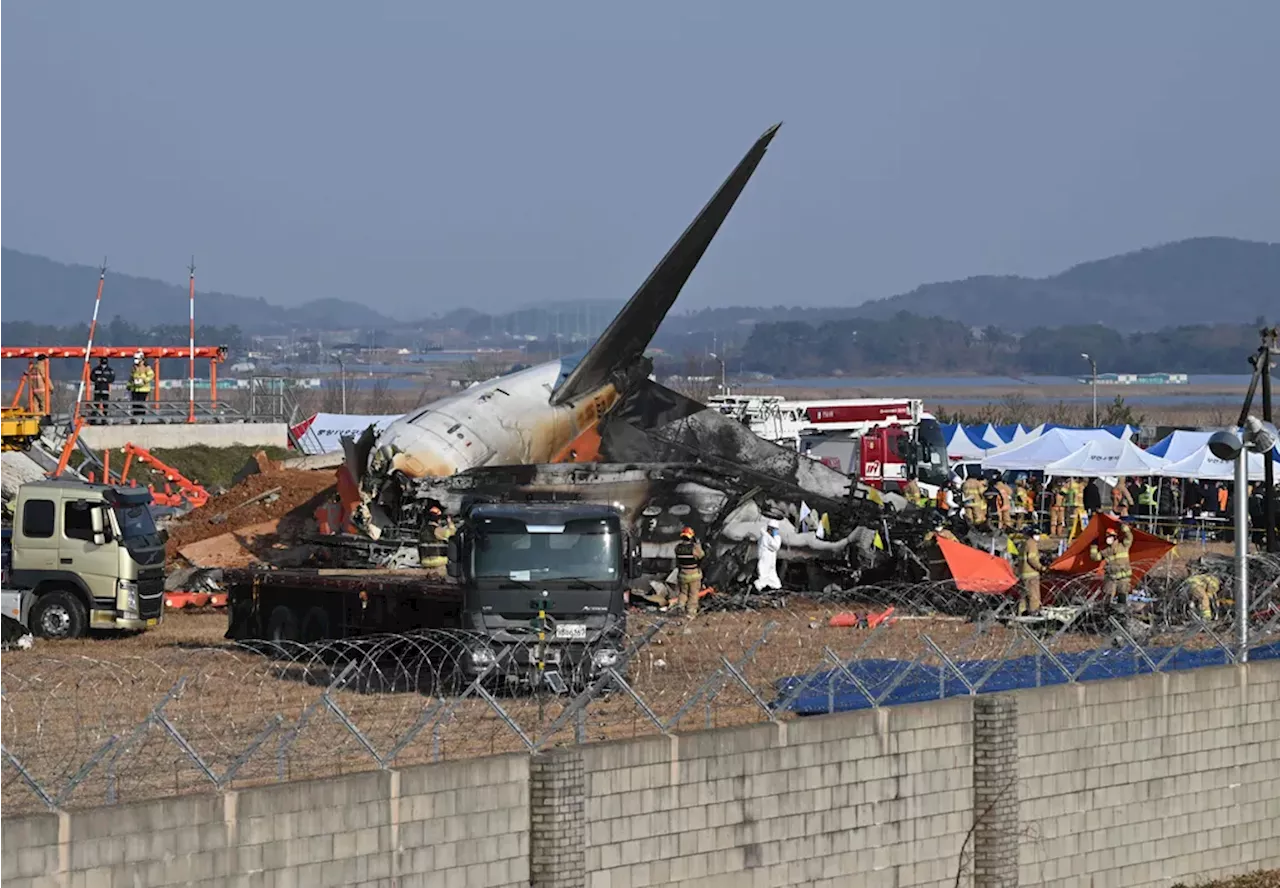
pixel 504 421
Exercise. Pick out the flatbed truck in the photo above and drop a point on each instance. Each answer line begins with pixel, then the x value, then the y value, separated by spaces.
pixel 527 588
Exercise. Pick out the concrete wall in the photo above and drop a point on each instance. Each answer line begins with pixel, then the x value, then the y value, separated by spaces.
pixel 1144 781
pixel 463 824
pixel 885 797
pixel 1151 780
pixel 214 434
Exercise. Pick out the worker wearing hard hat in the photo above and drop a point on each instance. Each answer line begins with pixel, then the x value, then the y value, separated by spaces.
pixel 689 557
pixel 1029 574
pixel 1116 570
pixel 767 556
pixel 433 540
pixel 141 380
pixel 1203 589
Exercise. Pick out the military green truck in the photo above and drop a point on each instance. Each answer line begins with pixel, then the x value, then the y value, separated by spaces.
pixel 87 556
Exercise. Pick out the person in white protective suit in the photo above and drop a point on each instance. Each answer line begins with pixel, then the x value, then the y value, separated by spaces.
pixel 767 557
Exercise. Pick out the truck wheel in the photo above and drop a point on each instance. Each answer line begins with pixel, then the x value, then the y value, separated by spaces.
pixel 58 614
pixel 283 624
pixel 315 625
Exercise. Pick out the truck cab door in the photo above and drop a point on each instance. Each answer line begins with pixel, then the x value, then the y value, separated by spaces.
pixel 95 560
pixel 35 544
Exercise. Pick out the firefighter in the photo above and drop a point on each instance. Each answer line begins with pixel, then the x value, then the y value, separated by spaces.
pixel 433 540
pixel 1121 498
pixel 992 498
pixel 911 490
pixel 101 378
pixel 1058 511
pixel 1075 504
pixel 1029 574
pixel 1006 504
pixel 689 557
pixel 141 380
pixel 975 507
pixel 1117 571
pixel 1203 589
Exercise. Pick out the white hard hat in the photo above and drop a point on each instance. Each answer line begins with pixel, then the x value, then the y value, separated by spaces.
pixel 137 356
pixel 773 522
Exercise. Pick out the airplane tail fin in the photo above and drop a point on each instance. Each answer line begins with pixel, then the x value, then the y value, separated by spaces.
pixel 628 335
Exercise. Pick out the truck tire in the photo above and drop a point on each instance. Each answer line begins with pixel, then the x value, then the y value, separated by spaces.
pixel 282 625
pixel 315 625
pixel 59 614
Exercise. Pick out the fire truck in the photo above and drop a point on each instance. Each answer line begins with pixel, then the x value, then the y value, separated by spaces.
pixel 881 441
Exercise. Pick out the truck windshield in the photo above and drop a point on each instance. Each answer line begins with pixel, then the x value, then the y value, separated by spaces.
pixel 587 549
pixel 134 520
pixel 933 467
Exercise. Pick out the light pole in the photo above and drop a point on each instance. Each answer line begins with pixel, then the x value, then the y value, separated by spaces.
pixel 342 375
pixel 724 386
pixel 1093 369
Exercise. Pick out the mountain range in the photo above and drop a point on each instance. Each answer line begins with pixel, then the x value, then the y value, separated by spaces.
pixel 43 291
pixel 1205 280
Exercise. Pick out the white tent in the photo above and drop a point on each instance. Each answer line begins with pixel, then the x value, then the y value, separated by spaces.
pixel 989 434
pixel 1052 446
pixel 1179 444
pixel 1203 464
pixel 963 448
pixel 1096 460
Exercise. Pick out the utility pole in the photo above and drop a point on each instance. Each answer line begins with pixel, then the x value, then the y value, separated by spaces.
pixel 1093 369
pixel 1265 352
pixel 191 367
pixel 342 376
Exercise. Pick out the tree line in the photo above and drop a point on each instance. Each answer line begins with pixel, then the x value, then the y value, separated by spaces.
pixel 914 345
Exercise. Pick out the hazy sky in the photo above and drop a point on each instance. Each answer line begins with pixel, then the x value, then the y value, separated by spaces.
pixel 423 155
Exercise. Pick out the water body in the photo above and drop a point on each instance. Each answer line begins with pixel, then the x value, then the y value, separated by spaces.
pixel 1030 382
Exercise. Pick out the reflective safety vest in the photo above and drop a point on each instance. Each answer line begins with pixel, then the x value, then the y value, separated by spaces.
pixel 141 378
pixel 688 555
pixel 1116 556
pixel 1147 497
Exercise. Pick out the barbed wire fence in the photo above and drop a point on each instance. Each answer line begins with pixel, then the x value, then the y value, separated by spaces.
pixel 84 731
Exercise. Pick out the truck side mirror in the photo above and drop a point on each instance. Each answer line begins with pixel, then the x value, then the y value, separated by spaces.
pixel 98 524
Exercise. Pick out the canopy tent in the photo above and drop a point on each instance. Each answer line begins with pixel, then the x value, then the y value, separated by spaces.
pixel 1053 445
pixel 1097 460
pixel 1180 443
pixel 1122 431
pixel 1146 550
pixel 962 445
pixel 1077 438
pixel 1203 464
pixel 989 434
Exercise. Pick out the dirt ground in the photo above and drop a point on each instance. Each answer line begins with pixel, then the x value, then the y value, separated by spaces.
pixel 64 701
pixel 300 493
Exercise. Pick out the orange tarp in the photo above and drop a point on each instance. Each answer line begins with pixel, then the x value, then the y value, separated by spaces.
pixel 1143 554
pixel 974 570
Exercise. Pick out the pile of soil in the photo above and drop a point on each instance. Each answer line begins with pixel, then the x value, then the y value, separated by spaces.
pixel 300 493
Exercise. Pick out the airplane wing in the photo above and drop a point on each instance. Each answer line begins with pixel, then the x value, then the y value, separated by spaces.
pixel 628 335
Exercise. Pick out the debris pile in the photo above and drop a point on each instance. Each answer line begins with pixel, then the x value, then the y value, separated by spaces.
pixel 265 510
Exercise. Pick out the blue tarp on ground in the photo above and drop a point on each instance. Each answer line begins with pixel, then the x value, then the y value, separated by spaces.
pixel 831 691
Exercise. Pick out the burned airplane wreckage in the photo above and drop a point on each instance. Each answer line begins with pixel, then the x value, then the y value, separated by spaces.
pixel 599 429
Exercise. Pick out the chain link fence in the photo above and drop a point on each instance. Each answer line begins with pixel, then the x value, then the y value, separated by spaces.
pixel 120 725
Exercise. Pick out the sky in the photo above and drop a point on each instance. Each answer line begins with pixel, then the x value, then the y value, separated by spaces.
pixel 425 156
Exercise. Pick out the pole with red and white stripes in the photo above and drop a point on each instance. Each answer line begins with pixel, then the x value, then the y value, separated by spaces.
pixel 191 370
pixel 93 326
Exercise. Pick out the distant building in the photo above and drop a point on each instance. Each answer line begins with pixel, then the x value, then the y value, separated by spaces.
pixel 1138 379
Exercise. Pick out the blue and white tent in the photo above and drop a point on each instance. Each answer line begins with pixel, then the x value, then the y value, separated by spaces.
pixel 963 445
pixel 1052 446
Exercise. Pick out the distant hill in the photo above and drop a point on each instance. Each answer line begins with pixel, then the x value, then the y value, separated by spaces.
pixel 43 291
pixel 1205 280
